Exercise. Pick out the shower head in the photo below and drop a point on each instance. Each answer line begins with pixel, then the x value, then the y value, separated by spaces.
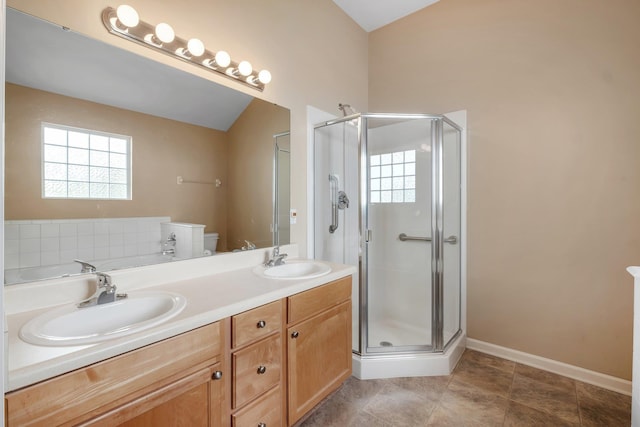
pixel 346 109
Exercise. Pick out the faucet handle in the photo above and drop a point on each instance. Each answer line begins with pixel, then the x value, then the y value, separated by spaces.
pixel 104 281
pixel 276 251
pixel 86 267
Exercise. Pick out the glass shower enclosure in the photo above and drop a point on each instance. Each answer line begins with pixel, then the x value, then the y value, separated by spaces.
pixel 388 200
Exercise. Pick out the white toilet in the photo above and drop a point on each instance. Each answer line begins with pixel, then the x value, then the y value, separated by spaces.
pixel 210 243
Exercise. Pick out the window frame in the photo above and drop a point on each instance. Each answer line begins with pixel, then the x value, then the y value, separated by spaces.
pixel 129 162
pixel 379 191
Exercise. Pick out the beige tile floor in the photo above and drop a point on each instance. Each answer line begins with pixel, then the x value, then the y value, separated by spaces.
pixel 483 390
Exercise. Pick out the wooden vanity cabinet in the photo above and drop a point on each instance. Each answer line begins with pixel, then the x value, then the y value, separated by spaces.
pixel 265 367
pixel 173 382
pixel 257 365
pixel 318 345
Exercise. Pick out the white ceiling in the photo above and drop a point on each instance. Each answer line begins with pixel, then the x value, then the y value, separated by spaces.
pixel 373 14
pixel 44 56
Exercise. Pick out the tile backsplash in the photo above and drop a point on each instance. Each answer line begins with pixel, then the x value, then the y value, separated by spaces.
pixel 33 243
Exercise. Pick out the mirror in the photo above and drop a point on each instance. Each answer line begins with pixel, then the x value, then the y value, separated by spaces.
pixel 202 156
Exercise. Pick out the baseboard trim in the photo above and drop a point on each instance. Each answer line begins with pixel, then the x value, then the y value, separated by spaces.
pixel 591 377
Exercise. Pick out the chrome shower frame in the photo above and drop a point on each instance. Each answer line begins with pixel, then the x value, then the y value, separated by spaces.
pixel 275 194
pixel 437 240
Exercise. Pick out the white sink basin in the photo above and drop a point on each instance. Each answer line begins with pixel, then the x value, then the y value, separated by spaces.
pixel 70 325
pixel 296 269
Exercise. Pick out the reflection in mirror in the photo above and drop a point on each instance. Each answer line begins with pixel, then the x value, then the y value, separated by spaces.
pixel 281 186
pixel 216 139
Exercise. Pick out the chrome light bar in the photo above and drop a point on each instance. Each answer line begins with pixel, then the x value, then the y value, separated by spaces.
pixel 124 22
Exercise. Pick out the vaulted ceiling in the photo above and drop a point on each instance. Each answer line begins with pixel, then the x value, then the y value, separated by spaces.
pixel 373 14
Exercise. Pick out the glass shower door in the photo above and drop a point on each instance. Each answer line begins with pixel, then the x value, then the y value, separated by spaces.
pixel 397 216
pixel 451 226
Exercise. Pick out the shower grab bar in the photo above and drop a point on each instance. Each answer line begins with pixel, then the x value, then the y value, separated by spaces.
pixel 339 200
pixel 333 188
pixel 403 237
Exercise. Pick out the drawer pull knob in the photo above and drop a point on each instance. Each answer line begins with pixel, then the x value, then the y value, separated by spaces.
pixel 262 369
pixel 262 425
pixel 216 375
pixel 295 334
pixel 261 324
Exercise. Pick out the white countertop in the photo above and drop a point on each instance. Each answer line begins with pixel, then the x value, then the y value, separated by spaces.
pixel 214 295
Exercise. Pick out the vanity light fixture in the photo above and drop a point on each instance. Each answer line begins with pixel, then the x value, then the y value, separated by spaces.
pixel 125 22
pixel 126 16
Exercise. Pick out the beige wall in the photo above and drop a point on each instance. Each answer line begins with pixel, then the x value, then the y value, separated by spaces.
pixel 553 106
pixel 551 89
pixel 250 177
pixel 316 54
pixel 162 150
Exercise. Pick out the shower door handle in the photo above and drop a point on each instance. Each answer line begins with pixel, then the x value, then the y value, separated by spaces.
pixel 451 239
pixel 403 237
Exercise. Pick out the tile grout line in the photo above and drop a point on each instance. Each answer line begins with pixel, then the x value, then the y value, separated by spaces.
pixel 509 400
pixel 575 389
pixel 538 409
pixel 445 389
pixel 363 408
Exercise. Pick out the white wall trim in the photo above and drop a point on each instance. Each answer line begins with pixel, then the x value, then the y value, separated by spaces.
pixel 591 377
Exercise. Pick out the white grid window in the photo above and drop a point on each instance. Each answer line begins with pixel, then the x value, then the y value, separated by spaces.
pixel 393 177
pixel 85 164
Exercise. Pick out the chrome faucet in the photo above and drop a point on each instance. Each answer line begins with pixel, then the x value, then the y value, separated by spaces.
pixel 105 292
pixel 86 267
pixel 249 246
pixel 277 259
pixel 169 246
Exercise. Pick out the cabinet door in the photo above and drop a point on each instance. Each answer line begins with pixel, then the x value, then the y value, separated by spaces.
pixel 319 351
pixel 192 401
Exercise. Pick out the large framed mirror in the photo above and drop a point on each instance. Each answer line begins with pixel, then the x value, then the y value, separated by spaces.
pixel 201 157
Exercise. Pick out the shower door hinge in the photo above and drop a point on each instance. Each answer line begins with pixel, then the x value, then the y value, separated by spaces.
pixel 367 236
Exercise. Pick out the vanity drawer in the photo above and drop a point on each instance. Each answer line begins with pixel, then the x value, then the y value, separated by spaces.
pixel 255 324
pixel 267 411
pixel 256 369
pixel 306 304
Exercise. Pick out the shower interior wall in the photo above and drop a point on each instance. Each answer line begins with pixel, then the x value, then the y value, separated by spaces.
pixel 339 159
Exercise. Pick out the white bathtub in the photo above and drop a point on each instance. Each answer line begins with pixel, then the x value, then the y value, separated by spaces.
pixel 21 275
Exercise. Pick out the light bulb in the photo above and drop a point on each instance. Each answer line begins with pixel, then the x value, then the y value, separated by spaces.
pixel 127 15
pixel 264 76
pixel 222 59
pixel 196 47
pixel 245 68
pixel 165 33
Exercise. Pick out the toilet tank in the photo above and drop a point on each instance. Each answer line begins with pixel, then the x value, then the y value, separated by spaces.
pixel 210 242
